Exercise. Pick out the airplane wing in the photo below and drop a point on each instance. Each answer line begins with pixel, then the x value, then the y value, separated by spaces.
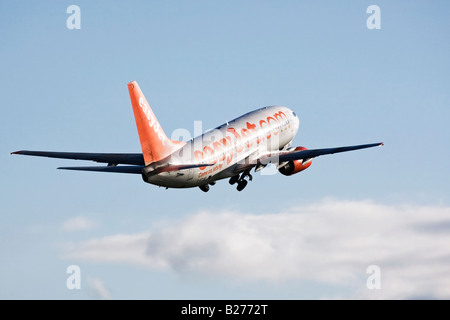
pixel 111 158
pixel 282 156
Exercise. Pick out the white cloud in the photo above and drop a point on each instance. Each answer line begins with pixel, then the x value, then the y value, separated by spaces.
pixel 330 242
pixel 125 248
pixel 77 224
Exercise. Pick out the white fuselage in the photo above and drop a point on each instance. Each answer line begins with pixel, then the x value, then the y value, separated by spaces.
pixel 230 146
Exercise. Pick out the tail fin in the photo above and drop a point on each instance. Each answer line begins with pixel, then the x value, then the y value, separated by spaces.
pixel 154 142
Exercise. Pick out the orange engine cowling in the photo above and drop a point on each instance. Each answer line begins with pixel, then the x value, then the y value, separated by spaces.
pixel 295 166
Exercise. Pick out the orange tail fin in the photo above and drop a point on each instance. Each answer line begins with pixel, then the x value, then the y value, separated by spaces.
pixel 154 142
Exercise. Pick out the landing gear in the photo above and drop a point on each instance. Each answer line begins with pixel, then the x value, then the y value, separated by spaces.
pixel 239 179
pixel 234 179
pixel 241 185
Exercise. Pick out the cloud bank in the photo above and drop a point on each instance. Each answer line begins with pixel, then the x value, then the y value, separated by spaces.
pixel 330 242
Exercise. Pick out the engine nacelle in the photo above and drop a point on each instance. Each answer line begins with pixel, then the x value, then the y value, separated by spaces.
pixel 293 167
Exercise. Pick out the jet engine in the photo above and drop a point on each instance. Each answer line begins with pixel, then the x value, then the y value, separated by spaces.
pixel 295 166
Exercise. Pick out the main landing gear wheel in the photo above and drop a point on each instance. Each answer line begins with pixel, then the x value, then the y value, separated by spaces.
pixel 204 188
pixel 241 185
pixel 234 179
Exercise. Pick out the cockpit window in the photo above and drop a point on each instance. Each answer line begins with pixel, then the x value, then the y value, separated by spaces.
pixel 294 113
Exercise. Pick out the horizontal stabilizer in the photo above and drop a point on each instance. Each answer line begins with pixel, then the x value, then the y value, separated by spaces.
pixel 136 169
pixel 116 169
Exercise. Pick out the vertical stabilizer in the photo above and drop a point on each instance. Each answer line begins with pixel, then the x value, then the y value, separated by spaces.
pixel 154 142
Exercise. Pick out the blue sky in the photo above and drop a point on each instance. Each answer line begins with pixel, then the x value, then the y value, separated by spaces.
pixel 311 235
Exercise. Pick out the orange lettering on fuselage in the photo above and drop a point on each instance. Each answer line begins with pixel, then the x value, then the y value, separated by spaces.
pixel 225 148
pixel 262 127
pixel 227 144
pixel 252 127
pixel 209 158
pixel 275 130
pixel 247 136
pixel 218 148
pixel 211 170
pixel 236 140
pixel 199 158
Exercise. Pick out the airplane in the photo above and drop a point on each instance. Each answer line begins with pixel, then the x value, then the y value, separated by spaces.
pixel 230 151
